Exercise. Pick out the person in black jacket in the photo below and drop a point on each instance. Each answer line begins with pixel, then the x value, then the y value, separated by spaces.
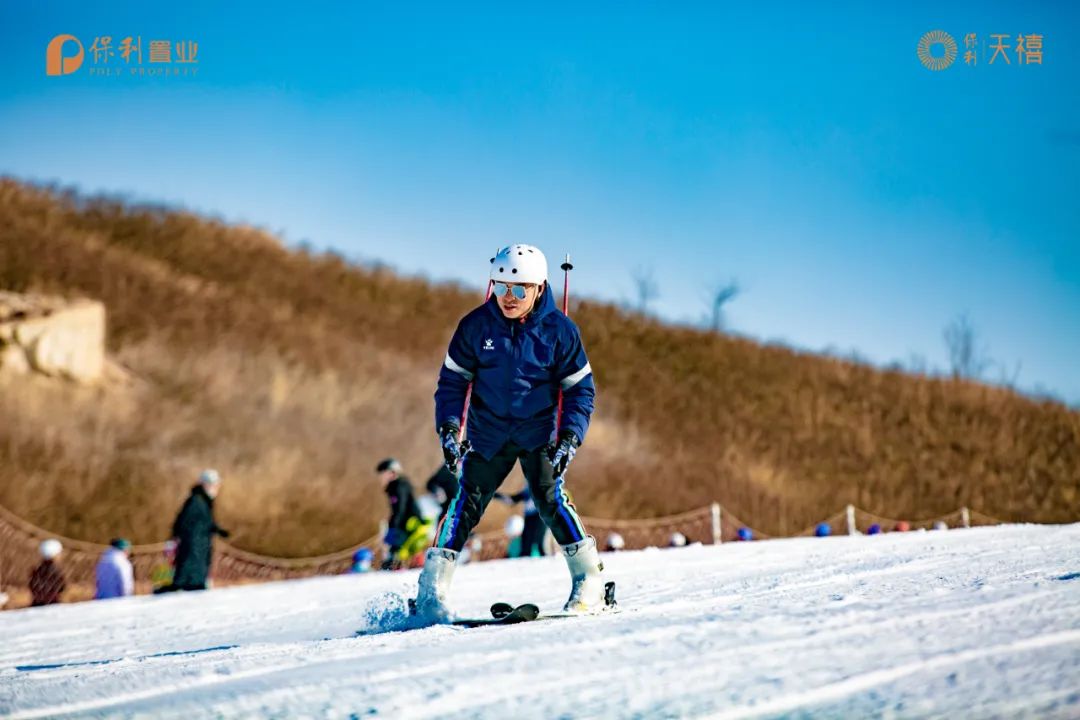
pixel 407 532
pixel 532 536
pixel 47 582
pixel 194 531
pixel 444 486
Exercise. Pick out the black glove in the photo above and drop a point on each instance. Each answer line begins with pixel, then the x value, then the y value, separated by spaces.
pixel 563 452
pixel 451 448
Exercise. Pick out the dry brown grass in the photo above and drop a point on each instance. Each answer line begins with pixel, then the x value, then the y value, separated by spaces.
pixel 294 373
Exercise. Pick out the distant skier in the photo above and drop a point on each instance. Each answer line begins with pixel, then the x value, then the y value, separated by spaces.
pixel 615 543
pixel 161 574
pixel 515 525
pixel 407 532
pixel 532 536
pixel 518 351
pixel 194 531
pixel 114 576
pixel 47 582
pixel 361 561
pixel 443 485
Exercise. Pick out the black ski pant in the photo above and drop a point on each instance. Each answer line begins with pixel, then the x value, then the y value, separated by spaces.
pixel 480 479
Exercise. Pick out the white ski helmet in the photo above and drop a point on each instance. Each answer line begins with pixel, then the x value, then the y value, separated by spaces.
pixel 515 525
pixel 209 477
pixel 50 548
pixel 519 264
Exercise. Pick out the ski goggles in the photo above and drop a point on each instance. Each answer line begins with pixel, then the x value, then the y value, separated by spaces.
pixel 500 289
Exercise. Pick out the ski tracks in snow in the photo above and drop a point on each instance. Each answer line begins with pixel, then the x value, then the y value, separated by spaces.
pixel 979 623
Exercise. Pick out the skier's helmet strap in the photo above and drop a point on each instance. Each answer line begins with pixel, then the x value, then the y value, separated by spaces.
pixel 519 264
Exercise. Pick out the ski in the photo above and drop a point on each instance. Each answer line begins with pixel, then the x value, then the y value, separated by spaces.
pixel 502 610
pixel 520 614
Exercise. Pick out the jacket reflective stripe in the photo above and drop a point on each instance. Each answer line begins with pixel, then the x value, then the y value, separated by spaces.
pixel 572 380
pixel 451 365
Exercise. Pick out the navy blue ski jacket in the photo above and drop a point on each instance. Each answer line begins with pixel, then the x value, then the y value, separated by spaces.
pixel 517 368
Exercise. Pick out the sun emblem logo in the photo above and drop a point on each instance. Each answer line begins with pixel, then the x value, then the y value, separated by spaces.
pixel 928 41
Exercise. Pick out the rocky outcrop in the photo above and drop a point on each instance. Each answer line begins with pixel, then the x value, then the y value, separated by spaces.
pixel 52 336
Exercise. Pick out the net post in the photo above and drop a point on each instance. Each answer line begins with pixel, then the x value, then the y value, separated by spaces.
pixel 714 510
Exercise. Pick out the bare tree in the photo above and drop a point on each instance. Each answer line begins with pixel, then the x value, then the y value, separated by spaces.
pixel 917 364
pixel 645 288
pixel 966 359
pixel 721 295
pixel 1009 378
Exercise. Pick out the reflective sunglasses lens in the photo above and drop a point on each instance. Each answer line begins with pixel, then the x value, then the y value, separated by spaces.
pixel 499 289
pixel 518 291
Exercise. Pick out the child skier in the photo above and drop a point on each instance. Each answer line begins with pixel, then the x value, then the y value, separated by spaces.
pixel 161 574
pixel 517 351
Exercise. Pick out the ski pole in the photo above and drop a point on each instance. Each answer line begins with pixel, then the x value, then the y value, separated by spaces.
pixel 468 390
pixel 567 266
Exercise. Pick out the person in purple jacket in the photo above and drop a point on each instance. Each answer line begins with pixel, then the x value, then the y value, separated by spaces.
pixel 517 351
pixel 114 574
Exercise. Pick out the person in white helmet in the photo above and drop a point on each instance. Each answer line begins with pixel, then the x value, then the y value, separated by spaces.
pixel 194 531
pixel 47 582
pixel 517 351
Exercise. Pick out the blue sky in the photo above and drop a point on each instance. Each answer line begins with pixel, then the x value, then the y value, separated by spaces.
pixel 860 200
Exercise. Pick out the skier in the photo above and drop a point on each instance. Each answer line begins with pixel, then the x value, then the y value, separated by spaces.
pixel 517 351
pixel 407 531
pixel 443 486
pixel 161 574
pixel 532 536
pixel 361 560
pixel 47 582
pixel 194 531
pixel 615 543
pixel 113 575
pixel 515 525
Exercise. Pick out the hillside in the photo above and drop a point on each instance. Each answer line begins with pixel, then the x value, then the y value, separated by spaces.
pixel 295 372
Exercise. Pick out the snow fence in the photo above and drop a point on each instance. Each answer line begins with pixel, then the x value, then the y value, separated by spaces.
pixel 710 524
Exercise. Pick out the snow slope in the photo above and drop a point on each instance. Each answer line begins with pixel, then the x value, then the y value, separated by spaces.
pixel 966 623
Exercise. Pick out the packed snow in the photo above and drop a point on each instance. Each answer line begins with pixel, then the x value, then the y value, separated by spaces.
pixel 964 623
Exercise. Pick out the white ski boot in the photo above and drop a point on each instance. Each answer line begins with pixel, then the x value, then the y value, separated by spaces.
pixel 587 595
pixel 439 565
